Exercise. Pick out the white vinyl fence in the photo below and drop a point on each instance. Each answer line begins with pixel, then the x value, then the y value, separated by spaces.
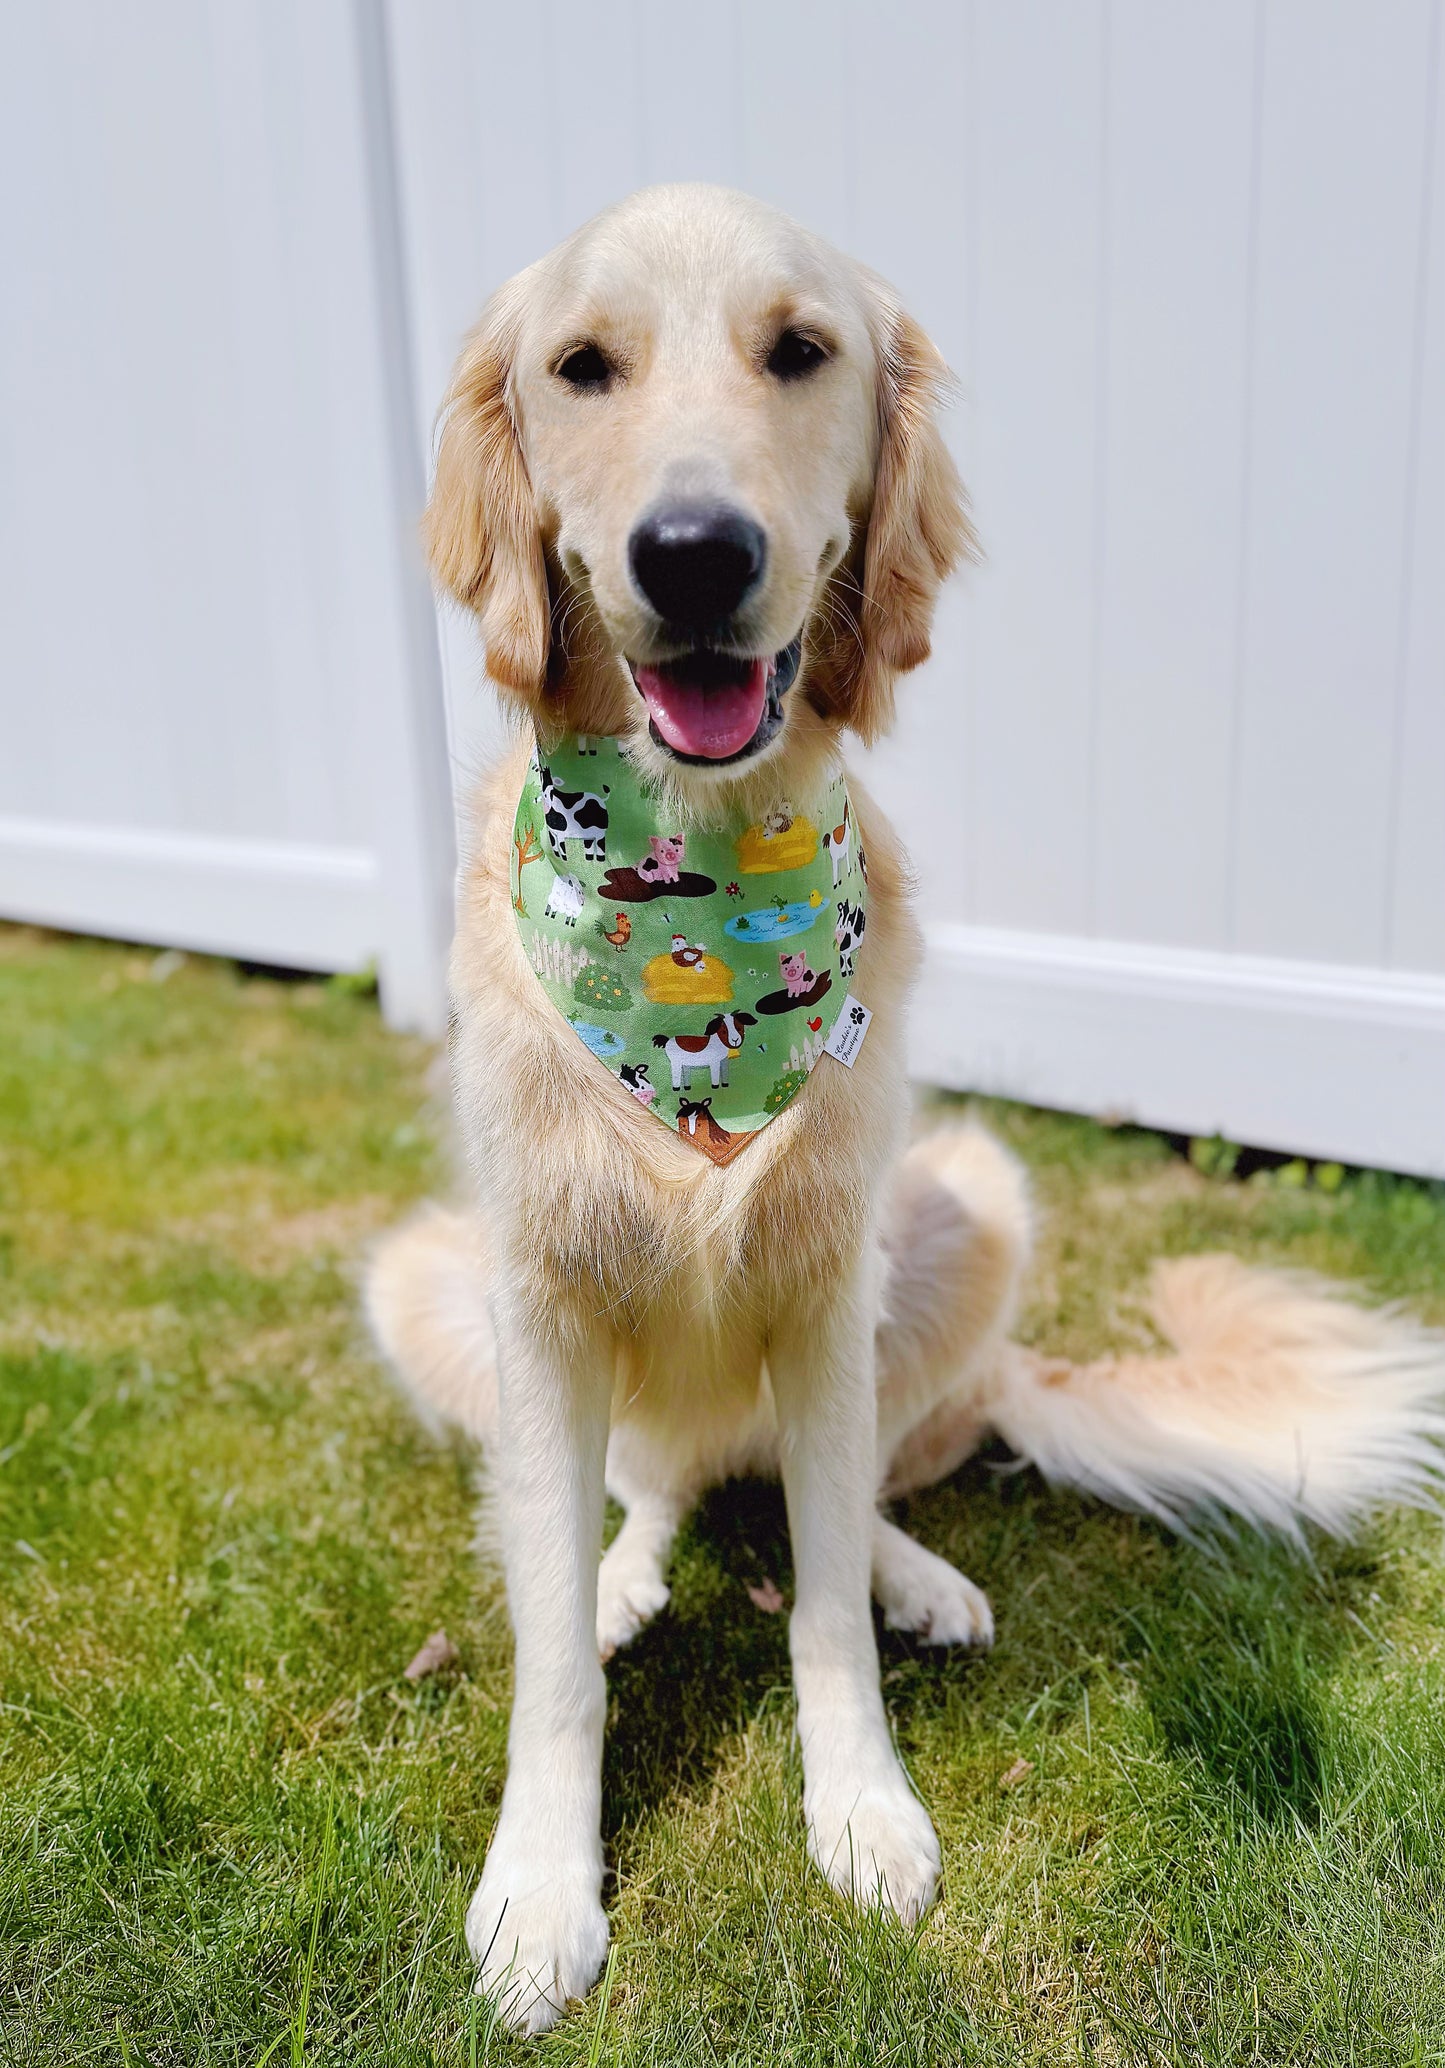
pixel 221 719
pixel 1178 765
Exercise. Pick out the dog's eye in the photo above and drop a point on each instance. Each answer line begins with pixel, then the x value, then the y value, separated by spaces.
pixel 796 355
pixel 585 366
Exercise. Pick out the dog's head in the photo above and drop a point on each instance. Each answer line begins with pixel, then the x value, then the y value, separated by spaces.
pixel 691 480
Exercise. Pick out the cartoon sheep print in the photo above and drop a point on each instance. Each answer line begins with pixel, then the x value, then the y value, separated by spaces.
pixel 565 900
pixel 700 970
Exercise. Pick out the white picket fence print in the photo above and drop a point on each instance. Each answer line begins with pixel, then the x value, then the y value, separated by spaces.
pixel 804 1057
pixel 560 961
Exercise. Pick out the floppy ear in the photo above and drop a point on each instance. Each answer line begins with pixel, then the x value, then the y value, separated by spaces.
pixel 481 523
pixel 917 531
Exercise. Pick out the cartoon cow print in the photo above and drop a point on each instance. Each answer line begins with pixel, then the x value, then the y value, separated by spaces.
pixel 637 1080
pixel 574 815
pixel 848 933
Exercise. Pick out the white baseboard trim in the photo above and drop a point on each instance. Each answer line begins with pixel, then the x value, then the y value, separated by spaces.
pixel 1313 1058
pixel 265 901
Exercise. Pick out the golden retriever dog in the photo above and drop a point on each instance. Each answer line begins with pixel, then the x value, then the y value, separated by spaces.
pixel 689 455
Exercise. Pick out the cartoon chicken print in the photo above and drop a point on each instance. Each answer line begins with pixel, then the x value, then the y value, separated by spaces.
pixel 694 957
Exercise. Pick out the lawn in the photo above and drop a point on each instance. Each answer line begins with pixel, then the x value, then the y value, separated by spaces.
pixel 1192 1805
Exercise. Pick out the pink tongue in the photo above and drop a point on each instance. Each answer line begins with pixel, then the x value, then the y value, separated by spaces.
pixel 711 723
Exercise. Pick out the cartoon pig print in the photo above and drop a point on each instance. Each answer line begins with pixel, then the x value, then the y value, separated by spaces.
pixel 664 858
pixel 797 975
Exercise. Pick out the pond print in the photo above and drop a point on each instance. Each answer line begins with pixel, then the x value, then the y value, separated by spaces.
pixel 764 923
pixel 602 1041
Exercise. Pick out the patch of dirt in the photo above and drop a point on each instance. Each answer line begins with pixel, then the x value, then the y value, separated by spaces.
pixel 17 942
pixel 263 1241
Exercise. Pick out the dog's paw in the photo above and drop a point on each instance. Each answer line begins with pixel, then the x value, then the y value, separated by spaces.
pixel 538 1944
pixel 877 1845
pixel 919 1591
pixel 628 1597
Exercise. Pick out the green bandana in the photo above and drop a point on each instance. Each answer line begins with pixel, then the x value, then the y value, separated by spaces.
pixel 709 971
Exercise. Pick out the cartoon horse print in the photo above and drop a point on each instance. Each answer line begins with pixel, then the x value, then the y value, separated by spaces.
pixel 574 815
pixel 848 933
pixel 712 1050
pixel 696 1126
pixel 836 845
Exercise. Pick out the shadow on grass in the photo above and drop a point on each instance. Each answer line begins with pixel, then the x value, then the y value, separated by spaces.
pixel 695 1677
pixel 1245 1710
pixel 1231 1647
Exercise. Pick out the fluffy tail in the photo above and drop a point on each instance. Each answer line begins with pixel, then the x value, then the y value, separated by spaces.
pixel 426 1300
pixel 1283 1403
pixel 958 1238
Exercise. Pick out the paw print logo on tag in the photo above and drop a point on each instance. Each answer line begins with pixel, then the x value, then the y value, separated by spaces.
pixel 849 1029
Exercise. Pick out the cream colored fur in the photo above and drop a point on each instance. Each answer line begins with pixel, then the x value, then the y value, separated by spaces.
pixel 957 1241
pixel 825 1305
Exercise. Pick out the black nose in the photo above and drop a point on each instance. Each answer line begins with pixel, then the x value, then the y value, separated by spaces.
pixel 695 562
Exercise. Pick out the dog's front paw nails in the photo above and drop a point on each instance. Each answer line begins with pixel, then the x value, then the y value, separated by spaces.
pixel 923 1593
pixel 877 1847
pixel 538 1943
pixel 627 1601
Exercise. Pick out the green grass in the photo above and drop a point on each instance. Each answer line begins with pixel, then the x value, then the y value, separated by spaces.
pixel 230 1831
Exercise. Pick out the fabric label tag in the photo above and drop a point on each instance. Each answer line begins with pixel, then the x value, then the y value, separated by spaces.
pixel 849 1028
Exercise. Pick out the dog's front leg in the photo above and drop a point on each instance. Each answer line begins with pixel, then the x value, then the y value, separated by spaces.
pixel 867 1830
pixel 536 1924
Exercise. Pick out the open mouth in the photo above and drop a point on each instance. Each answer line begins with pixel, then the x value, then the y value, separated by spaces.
pixel 716 707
